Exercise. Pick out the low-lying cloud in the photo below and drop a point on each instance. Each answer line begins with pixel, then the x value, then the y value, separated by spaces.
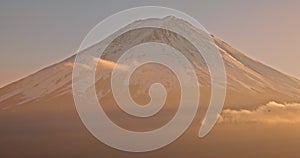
pixel 271 113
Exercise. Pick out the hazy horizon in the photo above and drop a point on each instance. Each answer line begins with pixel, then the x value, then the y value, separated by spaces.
pixel 157 87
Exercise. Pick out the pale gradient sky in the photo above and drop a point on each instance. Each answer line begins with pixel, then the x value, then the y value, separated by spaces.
pixel 38 33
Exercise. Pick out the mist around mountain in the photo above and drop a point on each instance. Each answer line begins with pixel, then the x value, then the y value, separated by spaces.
pixel 38 115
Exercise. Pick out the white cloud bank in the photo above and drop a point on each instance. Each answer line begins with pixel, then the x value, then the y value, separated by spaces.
pixel 271 113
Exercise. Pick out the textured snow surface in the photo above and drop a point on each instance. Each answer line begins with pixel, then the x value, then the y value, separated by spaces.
pixel 244 73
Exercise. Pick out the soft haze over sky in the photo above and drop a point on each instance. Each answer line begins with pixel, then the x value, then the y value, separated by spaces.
pixel 38 33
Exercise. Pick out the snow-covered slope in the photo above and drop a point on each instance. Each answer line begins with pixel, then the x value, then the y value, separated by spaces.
pixel 249 82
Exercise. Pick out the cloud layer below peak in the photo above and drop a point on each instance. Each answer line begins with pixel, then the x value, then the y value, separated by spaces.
pixel 271 113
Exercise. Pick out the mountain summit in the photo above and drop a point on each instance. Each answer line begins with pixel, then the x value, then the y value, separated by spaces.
pixel 250 82
pixel 38 115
